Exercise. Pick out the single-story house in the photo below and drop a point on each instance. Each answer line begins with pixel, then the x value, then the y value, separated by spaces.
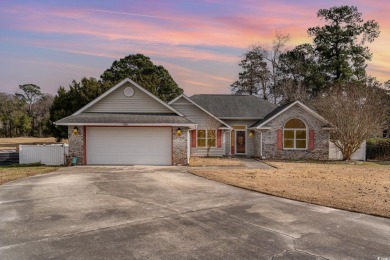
pixel 129 125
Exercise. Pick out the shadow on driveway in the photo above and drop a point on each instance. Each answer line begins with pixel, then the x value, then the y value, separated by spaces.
pixel 165 213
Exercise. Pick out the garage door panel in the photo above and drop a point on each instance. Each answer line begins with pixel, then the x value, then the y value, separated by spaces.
pixel 129 145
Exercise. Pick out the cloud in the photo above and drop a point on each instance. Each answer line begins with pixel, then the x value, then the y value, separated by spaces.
pixel 184 36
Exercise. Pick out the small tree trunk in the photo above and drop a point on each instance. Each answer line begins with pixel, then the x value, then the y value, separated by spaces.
pixel 347 153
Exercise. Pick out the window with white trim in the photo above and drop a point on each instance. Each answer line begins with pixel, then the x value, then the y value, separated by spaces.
pixel 211 138
pixel 208 137
pixel 295 135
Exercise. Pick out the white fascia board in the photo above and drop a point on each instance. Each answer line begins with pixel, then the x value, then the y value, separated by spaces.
pixel 201 108
pixel 271 118
pixel 288 107
pixel 240 118
pixel 314 113
pixel 175 99
pixel 127 124
pixel 262 128
pixel 99 97
pixel 120 84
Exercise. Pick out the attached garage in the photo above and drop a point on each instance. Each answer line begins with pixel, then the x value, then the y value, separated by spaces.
pixel 128 125
pixel 129 145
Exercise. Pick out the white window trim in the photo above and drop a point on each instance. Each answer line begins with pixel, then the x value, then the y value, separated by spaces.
pixel 206 138
pixel 295 136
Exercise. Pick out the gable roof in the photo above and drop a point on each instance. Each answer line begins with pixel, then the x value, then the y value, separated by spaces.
pixel 120 84
pixel 201 108
pixel 234 106
pixel 281 109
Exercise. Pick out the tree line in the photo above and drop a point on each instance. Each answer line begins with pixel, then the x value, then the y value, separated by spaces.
pixel 329 75
pixel 25 113
pixel 30 112
pixel 337 55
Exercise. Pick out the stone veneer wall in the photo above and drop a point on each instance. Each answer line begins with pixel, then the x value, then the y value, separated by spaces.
pixel 270 150
pixel 76 143
pixel 257 150
pixel 180 155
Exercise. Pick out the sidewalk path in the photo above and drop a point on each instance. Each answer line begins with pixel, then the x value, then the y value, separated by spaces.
pixel 253 164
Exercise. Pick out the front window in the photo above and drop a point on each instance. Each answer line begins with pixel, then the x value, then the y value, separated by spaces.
pixel 208 137
pixel 201 138
pixel 211 138
pixel 295 135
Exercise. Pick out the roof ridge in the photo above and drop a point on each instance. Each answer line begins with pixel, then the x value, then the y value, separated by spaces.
pixel 230 95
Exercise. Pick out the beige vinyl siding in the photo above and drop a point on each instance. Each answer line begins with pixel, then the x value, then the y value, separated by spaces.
pixel 200 117
pixel 117 102
pixel 192 112
pixel 202 151
pixel 227 142
pixel 250 144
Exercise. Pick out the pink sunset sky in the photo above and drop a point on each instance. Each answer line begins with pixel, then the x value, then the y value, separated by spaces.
pixel 50 43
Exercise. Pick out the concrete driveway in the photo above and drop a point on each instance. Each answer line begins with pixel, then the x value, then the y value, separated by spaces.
pixel 166 213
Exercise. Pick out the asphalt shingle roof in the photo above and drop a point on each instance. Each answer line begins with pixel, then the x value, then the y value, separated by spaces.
pixel 113 118
pixel 233 106
pixel 271 114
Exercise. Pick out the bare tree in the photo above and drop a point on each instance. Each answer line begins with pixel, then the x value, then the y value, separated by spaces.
pixel 272 54
pixel 293 90
pixel 386 90
pixel 212 126
pixel 41 113
pixel 31 93
pixel 356 113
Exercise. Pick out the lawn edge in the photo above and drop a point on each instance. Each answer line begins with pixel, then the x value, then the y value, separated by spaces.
pixel 302 201
pixel 30 176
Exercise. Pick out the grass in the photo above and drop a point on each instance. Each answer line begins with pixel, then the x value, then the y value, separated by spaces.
pixel 14 172
pixel 13 143
pixel 214 161
pixel 363 188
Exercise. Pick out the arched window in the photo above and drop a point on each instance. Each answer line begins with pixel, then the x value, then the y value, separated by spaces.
pixel 295 134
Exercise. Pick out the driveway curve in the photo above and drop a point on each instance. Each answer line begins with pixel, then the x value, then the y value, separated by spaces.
pixel 139 212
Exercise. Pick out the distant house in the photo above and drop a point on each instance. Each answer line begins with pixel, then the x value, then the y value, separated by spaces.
pixel 129 125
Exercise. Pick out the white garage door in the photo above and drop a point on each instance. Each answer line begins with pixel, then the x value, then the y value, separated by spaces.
pixel 129 145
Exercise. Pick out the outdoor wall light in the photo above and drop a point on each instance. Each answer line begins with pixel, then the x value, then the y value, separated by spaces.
pixel 178 132
pixel 251 133
pixel 75 130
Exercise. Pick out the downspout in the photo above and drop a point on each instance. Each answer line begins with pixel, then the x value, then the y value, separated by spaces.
pixel 230 143
pixel 223 142
pixel 261 144
pixel 188 146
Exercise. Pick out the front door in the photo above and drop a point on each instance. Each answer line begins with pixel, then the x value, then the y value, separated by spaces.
pixel 240 141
